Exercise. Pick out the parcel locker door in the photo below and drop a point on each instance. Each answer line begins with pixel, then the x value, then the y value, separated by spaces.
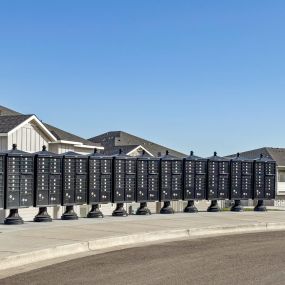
pixel 165 194
pixel 200 187
pixel 119 187
pixel 81 189
pixel 68 189
pixel 130 182
pixel 189 186
pixel 223 192
pixel 94 188
pixel 105 193
pixel 55 189
pixel 246 192
pixel 213 183
pixel 42 198
pixel 176 187
pixel 142 187
pixel 1 190
pixel 13 200
pixel 270 187
pixel 26 190
pixel 153 188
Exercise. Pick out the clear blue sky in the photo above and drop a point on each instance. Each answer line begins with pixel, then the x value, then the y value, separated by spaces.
pixel 201 75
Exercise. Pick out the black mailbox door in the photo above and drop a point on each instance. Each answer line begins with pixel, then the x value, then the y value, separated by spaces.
pixel 130 189
pixel 94 181
pixel 236 183
pixel 270 180
pixel 189 180
pixel 119 181
pixel 69 182
pixel 80 189
pixel 259 181
pixel 177 187
pixel 142 181
pixel 166 186
pixel 106 187
pixel 26 190
pixel 2 179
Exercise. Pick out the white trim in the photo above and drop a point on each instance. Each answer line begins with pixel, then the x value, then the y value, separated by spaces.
pixel 88 146
pixel 77 144
pixel 140 146
pixel 33 117
pixel 3 134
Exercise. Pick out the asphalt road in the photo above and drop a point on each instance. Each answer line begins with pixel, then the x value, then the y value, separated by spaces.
pixel 239 259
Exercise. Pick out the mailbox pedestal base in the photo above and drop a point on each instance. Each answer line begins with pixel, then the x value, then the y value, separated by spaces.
pixel 260 206
pixel 42 215
pixel 143 209
pixel 214 207
pixel 190 208
pixel 166 209
pixel 237 207
pixel 119 211
pixel 13 218
pixel 95 212
pixel 69 214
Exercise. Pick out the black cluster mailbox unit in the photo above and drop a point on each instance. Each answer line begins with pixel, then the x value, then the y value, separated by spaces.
pixel 124 182
pixel 171 181
pixel 147 182
pixel 20 183
pixel 241 181
pixel 100 182
pixel 264 181
pixel 195 181
pixel 75 183
pixel 2 178
pixel 218 185
pixel 48 183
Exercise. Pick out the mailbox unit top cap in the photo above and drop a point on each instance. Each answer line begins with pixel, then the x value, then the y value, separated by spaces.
pixel 16 152
pixel 194 157
pixel 168 156
pixel 241 158
pixel 215 157
pixel 73 154
pixel 46 153
pixel 95 154
pixel 145 155
pixel 265 159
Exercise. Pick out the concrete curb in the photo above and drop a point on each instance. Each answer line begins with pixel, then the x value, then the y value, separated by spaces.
pixel 131 240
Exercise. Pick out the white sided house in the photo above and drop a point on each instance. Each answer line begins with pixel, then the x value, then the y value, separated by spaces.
pixel 30 134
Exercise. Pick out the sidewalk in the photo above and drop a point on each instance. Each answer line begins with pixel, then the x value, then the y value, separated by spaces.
pixel 33 242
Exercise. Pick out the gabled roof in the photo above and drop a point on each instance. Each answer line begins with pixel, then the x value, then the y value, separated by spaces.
pixel 112 140
pixel 8 112
pixel 57 133
pixel 62 135
pixel 277 154
pixel 8 123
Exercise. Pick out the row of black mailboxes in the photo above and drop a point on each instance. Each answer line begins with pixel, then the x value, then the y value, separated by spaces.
pixel 47 179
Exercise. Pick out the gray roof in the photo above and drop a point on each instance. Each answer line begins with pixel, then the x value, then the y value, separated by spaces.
pixel 8 123
pixel 113 140
pixel 63 135
pixel 14 118
pixel 7 112
pixel 277 154
pixel 125 149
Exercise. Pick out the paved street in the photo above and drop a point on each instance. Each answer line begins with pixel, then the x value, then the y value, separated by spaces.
pixel 257 258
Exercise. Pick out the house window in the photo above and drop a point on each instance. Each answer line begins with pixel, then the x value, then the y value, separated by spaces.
pixel 281 176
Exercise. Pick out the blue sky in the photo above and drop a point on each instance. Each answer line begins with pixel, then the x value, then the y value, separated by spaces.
pixel 201 75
